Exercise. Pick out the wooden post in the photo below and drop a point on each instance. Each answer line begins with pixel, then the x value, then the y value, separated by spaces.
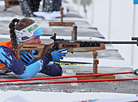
pixel 61 11
pixel 74 33
pixel 10 3
pixel 61 23
pixel 95 62
pixel 95 67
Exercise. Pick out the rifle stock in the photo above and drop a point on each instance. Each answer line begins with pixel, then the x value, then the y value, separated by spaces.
pixel 27 47
pixel 42 48
pixel 76 47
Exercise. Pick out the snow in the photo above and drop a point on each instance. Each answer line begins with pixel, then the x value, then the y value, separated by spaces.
pixel 35 96
pixel 120 29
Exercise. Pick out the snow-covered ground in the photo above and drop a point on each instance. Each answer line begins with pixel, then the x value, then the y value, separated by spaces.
pixel 34 96
pixel 120 29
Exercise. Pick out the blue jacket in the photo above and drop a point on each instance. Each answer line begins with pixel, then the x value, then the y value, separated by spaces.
pixel 8 58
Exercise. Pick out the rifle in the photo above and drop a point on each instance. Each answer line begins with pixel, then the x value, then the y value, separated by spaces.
pixel 73 46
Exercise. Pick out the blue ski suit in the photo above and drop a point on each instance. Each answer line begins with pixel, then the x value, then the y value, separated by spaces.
pixel 8 58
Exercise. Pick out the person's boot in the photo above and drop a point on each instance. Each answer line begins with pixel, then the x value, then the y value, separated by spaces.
pixel 34 5
pixel 51 5
pixel 26 9
pixel 29 6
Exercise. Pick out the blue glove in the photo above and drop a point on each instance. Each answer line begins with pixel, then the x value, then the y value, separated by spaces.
pixel 59 54
pixel 27 58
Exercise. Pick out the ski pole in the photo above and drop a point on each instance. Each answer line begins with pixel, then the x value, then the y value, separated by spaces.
pixel 60 77
pixel 69 81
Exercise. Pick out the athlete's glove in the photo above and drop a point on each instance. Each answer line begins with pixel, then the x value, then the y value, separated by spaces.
pixel 59 54
pixel 56 55
pixel 27 58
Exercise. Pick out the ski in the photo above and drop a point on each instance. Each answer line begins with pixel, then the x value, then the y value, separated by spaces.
pixel 72 63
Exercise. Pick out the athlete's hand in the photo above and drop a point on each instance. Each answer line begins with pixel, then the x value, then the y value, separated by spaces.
pixel 59 54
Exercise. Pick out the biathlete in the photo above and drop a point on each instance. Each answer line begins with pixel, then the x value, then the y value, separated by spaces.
pixel 27 30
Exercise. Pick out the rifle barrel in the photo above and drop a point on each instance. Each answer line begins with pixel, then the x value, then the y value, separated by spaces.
pixel 108 42
pixel 117 42
pixel 105 42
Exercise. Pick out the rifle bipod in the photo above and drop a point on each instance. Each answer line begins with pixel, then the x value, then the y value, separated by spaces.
pixel 32 80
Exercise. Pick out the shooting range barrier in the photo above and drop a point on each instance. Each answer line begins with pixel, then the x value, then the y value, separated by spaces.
pixel 10 3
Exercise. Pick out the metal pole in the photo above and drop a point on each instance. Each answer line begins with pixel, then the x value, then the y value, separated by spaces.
pixel 69 81
pixel 78 2
pixel 109 27
pixel 133 34
pixel 61 77
pixel 92 12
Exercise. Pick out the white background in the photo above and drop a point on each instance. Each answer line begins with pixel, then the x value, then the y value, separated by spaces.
pixel 114 20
